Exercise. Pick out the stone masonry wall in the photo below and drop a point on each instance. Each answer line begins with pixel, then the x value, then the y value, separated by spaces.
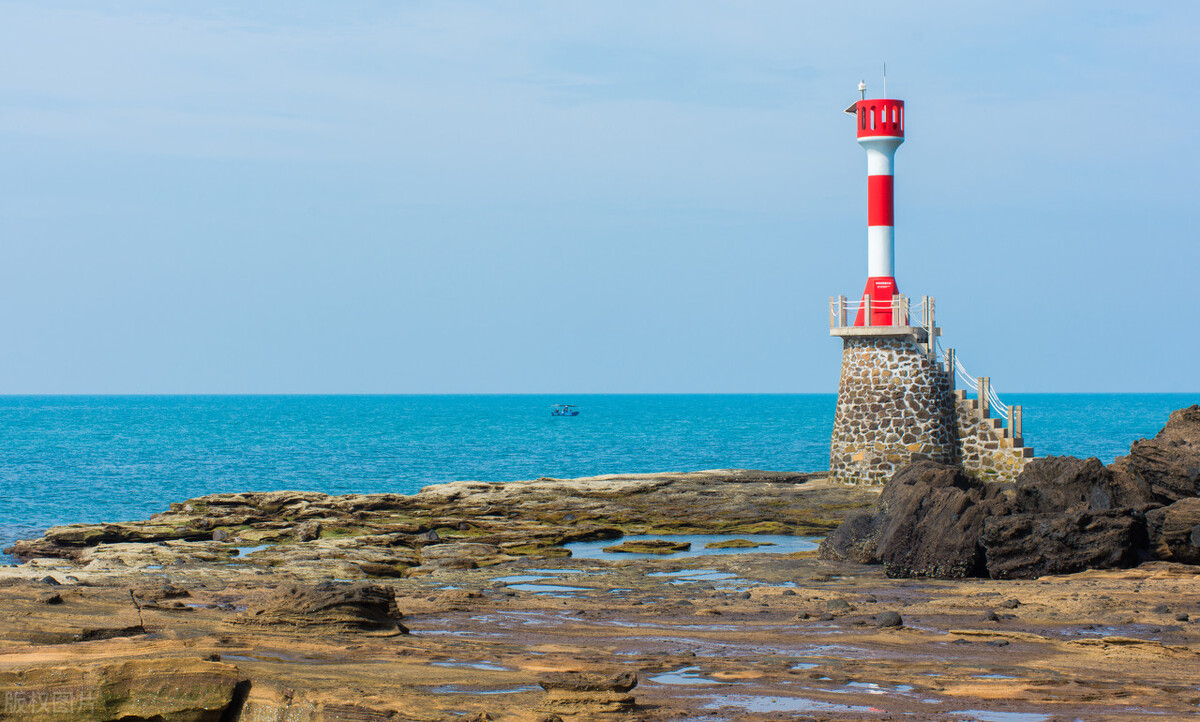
pixel 894 405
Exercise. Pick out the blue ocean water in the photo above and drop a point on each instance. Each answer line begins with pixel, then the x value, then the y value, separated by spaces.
pixel 70 459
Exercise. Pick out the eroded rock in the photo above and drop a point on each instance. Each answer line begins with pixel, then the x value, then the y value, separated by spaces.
pixel 586 693
pixel 1174 531
pixel 1167 466
pixel 176 689
pixel 649 546
pixel 928 523
pixel 353 607
pixel 1022 546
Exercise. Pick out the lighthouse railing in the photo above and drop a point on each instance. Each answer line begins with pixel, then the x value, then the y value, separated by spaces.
pixel 843 312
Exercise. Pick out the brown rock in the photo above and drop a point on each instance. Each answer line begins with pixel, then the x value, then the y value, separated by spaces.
pixel 589 681
pixel 587 693
pixel 649 546
pixel 308 531
pixel 180 690
pixel 341 606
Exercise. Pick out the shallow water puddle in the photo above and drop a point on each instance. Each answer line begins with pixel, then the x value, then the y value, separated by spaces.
pixel 695 575
pixel 779 544
pixel 687 675
pixel 547 588
pixel 452 689
pixel 245 551
pixel 455 664
pixel 872 688
pixel 753 703
pixel 987 715
pixel 518 578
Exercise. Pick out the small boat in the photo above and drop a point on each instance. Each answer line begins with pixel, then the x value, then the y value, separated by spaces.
pixel 564 410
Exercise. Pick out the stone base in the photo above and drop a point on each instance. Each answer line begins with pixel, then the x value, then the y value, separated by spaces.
pixel 894 406
pixel 897 405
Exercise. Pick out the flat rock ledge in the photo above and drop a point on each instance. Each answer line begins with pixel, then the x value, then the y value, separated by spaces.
pixel 460 525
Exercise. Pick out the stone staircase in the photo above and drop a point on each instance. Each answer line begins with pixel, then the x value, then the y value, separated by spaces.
pixel 996 427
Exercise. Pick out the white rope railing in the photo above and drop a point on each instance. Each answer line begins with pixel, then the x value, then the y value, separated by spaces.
pixel 972 383
pixel 908 310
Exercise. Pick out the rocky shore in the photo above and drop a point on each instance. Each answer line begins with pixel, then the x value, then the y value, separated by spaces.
pixel 463 602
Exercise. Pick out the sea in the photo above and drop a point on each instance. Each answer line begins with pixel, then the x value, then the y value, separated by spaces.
pixel 68 459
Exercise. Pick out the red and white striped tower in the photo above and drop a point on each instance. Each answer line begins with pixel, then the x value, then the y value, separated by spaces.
pixel 880 132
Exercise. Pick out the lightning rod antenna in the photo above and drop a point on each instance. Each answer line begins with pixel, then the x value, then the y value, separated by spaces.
pixel 885 81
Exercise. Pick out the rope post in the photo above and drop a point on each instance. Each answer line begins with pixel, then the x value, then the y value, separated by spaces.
pixel 832 312
pixel 985 385
pixel 866 305
pixel 1018 422
pixel 950 368
pixel 904 317
pixel 842 311
pixel 1009 431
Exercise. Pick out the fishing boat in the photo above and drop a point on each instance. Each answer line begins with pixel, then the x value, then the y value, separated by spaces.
pixel 564 410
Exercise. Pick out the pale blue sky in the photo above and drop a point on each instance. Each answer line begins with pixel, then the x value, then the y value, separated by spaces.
pixel 439 197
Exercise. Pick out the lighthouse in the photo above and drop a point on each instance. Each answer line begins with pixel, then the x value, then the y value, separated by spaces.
pixel 880 126
pixel 897 396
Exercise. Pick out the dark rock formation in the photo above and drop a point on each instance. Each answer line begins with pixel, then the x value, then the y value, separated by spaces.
pixel 928 524
pixel 889 619
pixel 1059 483
pixel 1174 531
pixel 1062 515
pixel 1167 466
pixel 343 607
pixel 1022 546
pixel 934 516
pixel 856 540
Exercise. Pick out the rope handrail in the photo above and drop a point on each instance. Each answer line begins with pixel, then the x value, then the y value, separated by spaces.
pixel 915 309
pixel 972 382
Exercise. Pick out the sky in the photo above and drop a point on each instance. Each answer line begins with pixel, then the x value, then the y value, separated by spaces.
pixel 585 197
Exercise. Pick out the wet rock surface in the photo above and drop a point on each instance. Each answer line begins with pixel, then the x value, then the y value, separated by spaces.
pixel 512 629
